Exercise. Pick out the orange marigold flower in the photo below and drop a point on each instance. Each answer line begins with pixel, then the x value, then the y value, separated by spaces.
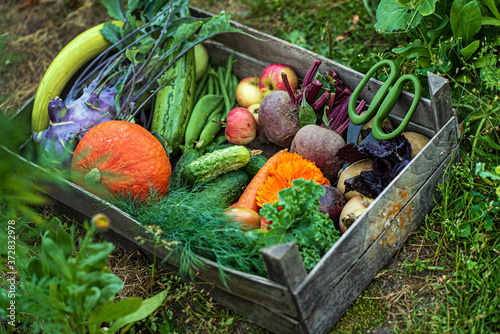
pixel 290 166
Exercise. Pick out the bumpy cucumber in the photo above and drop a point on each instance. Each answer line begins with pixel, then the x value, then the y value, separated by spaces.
pixel 185 159
pixel 226 188
pixel 174 104
pixel 254 164
pixel 213 164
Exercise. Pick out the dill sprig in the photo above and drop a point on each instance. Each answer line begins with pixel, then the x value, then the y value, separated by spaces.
pixel 196 226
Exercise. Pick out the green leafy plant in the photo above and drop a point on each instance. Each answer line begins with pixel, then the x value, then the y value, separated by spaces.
pixel 296 217
pixel 443 35
pixel 70 288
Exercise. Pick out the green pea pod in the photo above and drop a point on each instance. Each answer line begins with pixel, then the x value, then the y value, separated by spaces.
pixel 202 110
pixel 211 129
pixel 220 139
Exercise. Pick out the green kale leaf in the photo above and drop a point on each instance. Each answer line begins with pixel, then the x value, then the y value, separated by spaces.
pixel 296 217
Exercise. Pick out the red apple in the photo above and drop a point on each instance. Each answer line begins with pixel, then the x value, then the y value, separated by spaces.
pixel 270 78
pixel 241 127
pixel 254 109
pixel 248 92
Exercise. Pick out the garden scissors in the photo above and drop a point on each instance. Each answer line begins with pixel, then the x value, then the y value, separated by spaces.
pixel 382 104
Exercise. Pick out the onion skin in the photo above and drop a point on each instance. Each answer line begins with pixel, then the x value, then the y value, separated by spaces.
pixel 248 218
pixel 417 142
pixel 352 210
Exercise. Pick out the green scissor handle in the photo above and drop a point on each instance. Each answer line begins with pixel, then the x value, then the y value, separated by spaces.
pixel 389 102
pixel 384 100
pixel 379 96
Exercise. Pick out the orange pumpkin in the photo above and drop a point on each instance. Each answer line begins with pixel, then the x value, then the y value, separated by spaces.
pixel 118 156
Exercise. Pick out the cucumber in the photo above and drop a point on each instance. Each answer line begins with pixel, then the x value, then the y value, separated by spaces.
pixel 210 165
pixel 226 189
pixel 174 103
pixel 254 164
pixel 185 159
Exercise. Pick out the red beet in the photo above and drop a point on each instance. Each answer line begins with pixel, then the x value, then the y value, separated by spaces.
pixel 332 203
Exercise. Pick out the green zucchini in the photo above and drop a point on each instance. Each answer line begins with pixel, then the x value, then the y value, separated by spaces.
pixel 185 159
pixel 174 103
pixel 210 165
pixel 254 164
pixel 226 189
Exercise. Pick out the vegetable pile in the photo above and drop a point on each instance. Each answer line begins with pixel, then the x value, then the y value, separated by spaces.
pixel 175 138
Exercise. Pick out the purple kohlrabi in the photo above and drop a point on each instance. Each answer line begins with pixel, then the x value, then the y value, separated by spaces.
pixel 71 119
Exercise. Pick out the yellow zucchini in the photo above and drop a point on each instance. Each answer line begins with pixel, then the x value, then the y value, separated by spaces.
pixel 83 48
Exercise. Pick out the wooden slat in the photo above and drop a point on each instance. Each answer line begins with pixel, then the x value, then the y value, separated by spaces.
pixel 439 90
pixel 270 319
pixel 284 264
pixel 334 302
pixel 371 223
pixel 269 49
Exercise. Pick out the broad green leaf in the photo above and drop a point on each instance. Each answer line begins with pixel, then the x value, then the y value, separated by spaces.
pixel 114 8
pixel 465 19
pixel 443 63
pixel 35 267
pixel 409 4
pixel 131 55
pixel 469 50
pixel 91 299
pixel 414 50
pixel 132 5
pixel 98 257
pixel 391 16
pixel 427 7
pixel 147 307
pixel 115 311
pixel 490 21
pixel 60 237
pixel 493 8
pixel 437 32
pixel 306 114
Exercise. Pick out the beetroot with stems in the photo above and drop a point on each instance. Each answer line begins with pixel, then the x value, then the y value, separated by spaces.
pixel 278 119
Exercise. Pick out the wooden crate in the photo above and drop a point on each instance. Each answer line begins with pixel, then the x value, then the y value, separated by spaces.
pixel 292 300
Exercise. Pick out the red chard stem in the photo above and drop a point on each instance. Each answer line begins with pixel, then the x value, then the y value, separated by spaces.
pixel 289 89
pixel 311 73
pixel 312 91
pixel 319 103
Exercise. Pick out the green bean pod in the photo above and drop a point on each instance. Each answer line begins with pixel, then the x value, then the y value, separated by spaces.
pixel 201 85
pixel 201 112
pixel 211 129
pixel 227 103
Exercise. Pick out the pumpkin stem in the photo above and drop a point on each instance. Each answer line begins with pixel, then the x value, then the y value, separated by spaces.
pixel 94 176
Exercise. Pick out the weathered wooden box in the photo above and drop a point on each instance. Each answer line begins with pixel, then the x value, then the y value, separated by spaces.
pixel 292 300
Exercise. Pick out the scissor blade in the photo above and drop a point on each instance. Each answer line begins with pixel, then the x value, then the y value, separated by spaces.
pixel 353 132
pixel 369 139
